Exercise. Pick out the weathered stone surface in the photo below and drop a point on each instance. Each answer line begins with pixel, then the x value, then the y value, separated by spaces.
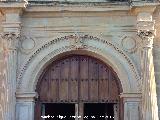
pixel 46 29
pixel 3 85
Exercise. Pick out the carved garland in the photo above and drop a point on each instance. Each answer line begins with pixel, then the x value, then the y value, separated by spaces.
pixel 74 46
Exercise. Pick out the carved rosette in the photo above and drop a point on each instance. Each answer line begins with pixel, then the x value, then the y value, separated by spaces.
pixel 10 40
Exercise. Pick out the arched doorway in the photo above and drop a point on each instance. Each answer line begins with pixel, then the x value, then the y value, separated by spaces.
pixel 79 85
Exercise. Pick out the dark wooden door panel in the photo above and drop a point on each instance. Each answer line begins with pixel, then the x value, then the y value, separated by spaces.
pixel 73 90
pixel 65 69
pixel 113 92
pixel 43 90
pixel 93 91
pixel 78 78
pixel 103 90
pixel 93 69
pixel 54 90
pixel 55 71
pixel 93 80
pixel 84 94
pixel 74 68
pixel 63 90
pixel 83 68
pixel 103 72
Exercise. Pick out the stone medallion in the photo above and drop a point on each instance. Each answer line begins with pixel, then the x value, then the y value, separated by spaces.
pixel 27 44
pixel 129 44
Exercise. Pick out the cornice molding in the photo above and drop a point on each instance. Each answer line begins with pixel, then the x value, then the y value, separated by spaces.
pixel 77 8
pixel 45 6
pixel 13 4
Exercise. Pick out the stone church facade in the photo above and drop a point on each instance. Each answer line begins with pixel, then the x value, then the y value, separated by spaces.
pixel 39 36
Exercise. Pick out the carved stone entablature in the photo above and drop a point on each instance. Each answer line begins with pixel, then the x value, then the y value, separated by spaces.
pixel 10 40
pixel 147 38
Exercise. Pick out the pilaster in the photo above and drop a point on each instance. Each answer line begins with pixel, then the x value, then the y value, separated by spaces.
pixel 146 31
pixel 132 106
pixel 10 43
pixel 25 106
pixel 10 37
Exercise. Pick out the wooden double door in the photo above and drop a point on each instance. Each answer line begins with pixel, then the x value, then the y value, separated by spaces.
pixel 77 79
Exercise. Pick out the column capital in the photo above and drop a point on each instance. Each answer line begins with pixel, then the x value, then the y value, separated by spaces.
pixel 26 96
pixel 13 6
pixel 131 97
pixel 10 40
pixel 146 30
pixel 147 38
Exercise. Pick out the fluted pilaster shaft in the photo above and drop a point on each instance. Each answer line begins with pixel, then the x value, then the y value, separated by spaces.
pixel 10 41
pixel 10 36
pixel 149 98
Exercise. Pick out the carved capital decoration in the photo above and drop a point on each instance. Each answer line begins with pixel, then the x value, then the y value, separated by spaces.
pixel 146 32
pixel 147 38
pixel 10 40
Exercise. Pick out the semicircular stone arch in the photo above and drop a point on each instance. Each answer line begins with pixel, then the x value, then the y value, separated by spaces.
pixel 92 46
